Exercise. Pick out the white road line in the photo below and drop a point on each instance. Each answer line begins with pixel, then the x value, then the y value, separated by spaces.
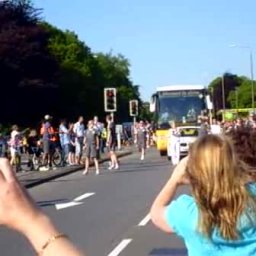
pixel 67 205
pixel 145 221
pixel 120 247
pixel 86 195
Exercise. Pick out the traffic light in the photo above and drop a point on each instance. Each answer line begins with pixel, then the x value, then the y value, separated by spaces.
pixel 134 108
pixel 110 99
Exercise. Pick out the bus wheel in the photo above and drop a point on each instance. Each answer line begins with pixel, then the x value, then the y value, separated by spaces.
pixel 163 153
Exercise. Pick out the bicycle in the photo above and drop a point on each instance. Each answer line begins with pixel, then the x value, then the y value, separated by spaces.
pixel 37 160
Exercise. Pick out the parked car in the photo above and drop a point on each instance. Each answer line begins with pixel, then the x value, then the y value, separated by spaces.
pixel 179 141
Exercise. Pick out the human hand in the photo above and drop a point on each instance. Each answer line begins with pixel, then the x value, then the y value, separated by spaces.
pixel 179 174
pixel 19 212
pixel 17 209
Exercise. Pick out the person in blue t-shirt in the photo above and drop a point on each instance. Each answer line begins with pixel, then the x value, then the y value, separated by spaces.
pixel 219 218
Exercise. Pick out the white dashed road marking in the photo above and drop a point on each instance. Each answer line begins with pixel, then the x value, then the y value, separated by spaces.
pixel 145 221
pixel 120 247
pixel 74 202
pixel 66 205
pixel 86 195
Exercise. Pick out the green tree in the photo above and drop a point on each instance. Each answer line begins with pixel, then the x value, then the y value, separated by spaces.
pixel 242 96
pixel 231 82
pixel 84 75
pixel 76 69
pixel 145 114
pixel 27 68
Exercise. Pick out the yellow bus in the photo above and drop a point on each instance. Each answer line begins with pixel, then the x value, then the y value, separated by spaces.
pixel 179 104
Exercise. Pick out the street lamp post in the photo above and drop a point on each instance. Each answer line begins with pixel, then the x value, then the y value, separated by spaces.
pixel 223 97
pixel 251 69
pixel 236 94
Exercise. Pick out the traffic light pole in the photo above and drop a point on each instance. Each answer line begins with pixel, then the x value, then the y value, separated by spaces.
pixel 134 120
pixel 113 116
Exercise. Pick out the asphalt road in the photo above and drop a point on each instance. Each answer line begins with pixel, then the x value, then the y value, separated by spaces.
pixel 105 215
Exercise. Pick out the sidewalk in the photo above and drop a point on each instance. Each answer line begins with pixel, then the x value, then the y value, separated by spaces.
pixel 33 178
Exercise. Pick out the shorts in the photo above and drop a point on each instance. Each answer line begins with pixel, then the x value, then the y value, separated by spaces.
pixel 141 144
pixel 91 151
pixel 48 146
pixel 79 146
pixel 71 148
pixel 34 150
pixel 112 146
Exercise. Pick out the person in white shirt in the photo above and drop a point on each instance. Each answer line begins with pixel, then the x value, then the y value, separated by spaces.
pixel 175 144
pixel 14 144
pixel 215 127
pixel 79 131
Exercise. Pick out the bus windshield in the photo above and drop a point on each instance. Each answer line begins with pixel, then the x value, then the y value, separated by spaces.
pixel 179 106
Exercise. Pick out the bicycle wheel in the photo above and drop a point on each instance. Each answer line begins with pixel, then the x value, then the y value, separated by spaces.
pixel 37 162
pixel 57 158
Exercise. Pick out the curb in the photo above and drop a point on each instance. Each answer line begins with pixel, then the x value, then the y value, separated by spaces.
pixel 67 172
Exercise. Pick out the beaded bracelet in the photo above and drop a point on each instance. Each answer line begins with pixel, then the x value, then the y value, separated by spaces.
pixel 51 240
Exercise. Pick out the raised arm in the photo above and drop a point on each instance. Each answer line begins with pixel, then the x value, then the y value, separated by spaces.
pixel 167 194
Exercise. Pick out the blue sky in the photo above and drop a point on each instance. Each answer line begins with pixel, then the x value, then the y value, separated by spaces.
pixel 167 41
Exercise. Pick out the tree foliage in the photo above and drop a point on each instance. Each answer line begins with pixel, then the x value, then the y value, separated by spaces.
pixel 242 96
pixel 238 91
pixel 228 82
pixel 53 71
pixel 84 75
pixel 26 66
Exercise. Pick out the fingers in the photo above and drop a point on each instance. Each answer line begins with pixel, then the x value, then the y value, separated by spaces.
pixel 6 170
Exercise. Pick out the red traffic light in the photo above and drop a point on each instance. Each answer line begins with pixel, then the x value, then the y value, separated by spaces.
pixel 110 93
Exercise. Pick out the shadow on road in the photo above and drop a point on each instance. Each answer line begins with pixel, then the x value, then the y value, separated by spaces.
pixel 169 251
pixel 145 165
pixel 64 180
pixel 51 202
pixel 135 170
